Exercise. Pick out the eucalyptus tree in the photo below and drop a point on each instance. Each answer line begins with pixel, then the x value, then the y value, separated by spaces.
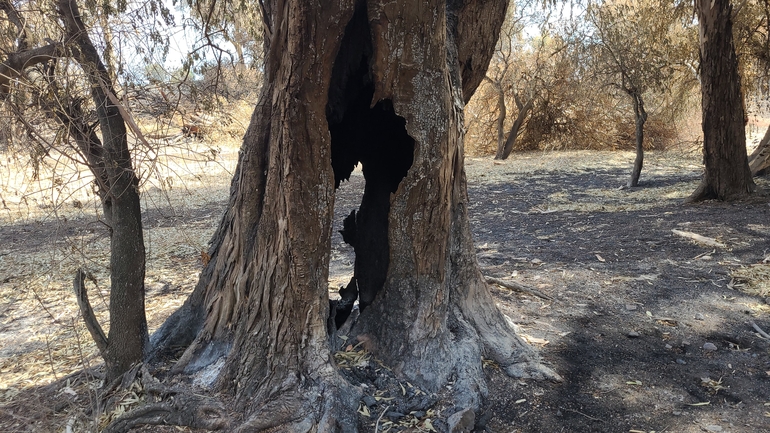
pixel 638 47
pixel 384 84
pixel 727 175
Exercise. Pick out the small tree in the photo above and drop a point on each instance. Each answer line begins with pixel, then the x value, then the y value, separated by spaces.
pixel 636 49
pixel 108 158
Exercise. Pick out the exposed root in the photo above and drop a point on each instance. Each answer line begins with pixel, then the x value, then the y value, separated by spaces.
pixel 182 410
pixel 326 407
pixel 168 406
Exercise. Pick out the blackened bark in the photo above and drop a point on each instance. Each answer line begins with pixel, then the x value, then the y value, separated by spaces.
pixel 640 116
pixel 727 175
pixel 370 82
pixel 127 337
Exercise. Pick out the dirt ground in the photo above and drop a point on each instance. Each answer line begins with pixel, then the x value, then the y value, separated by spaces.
pixel 649 329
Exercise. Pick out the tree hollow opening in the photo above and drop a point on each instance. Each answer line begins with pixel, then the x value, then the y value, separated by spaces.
pixel 377 138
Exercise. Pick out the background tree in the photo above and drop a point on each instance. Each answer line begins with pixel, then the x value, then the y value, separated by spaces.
pixel 752 31
pixel 727 175
pixel 637 49
pixel 555 58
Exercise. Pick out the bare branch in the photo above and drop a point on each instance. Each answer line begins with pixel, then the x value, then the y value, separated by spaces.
pixel 16 63
pixel 78 284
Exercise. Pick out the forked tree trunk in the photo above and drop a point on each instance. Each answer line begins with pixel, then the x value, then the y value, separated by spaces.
pixel 383 83
pixel 640 116
pixel 727 175
pixel 513 134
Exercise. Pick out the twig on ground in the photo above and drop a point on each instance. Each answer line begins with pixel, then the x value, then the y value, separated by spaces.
pixel 759 330
pixel 587 416
pixel 699 238
pixel 377 424
pixel 517 287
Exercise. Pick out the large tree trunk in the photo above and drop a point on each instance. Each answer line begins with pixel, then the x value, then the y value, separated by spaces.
pixel 382 83
pixel 727 175
pixel 640 116
pixel 127 338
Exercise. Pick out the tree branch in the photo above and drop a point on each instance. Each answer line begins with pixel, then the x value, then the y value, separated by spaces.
pixel 517 287
pixel 13 66
pixel 15 18
pixel 78 284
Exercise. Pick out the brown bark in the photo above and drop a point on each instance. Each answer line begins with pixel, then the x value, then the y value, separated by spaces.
pixel 501 115
pixel 727 175
pixel 372 82
pixel 127 337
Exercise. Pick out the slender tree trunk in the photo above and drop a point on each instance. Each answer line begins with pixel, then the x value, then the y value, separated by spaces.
pixel 759 160
pixel 127 337
pixel 640 115
pixel 501 115
pixel 727 175
pixel 373 82
pixel 524 110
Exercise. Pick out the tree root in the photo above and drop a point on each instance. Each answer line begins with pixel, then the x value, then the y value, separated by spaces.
pixel 327 407
pixel 168 406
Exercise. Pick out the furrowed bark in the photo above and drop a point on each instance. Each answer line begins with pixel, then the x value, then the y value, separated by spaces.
pixel 727 175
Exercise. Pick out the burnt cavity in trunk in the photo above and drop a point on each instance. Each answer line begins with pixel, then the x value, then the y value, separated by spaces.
pixel 373 135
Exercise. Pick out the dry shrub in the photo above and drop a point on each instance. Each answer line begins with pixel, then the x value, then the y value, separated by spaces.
pixel 575 119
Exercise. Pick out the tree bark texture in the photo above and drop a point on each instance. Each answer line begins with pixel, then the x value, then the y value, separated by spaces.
pixel 384 84
pixel 727 175
pixel 640 116
pixel 127 338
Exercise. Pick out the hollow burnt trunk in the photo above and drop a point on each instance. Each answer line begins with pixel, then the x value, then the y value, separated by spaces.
pixel 727 175
pixel 383 84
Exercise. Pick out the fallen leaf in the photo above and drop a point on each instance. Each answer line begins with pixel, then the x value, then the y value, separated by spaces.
pixel 600 258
